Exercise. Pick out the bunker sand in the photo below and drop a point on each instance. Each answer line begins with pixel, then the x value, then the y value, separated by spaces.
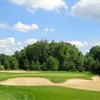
pixel 93 84
pixel 17 71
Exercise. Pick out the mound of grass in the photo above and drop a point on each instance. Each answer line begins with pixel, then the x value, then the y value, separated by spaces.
pixel 46 93
pixel 56 77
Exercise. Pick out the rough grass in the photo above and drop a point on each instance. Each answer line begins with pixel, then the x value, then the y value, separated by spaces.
pixel 46 93
pixel 56 77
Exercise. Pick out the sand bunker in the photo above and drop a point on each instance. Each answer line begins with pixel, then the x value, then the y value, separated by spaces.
pixel 27 81
pixel 17 71
pixel 93 84
pixel 37 81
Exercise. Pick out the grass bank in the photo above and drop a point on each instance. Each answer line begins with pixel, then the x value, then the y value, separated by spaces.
pixel 56 77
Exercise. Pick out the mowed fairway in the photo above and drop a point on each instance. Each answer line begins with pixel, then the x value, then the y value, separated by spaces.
pixel 46 92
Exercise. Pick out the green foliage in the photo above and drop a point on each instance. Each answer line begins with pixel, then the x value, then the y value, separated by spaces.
pixel 43 55
pixel 95 52
pixel 35 66
pixel 41 51
pixel 1 67
pixel 13 63
pixel 6 64
pixel 80 62
pixel 44 67
pixel 54 56
pixel 68 66
pixel 52 63
pixel 92 60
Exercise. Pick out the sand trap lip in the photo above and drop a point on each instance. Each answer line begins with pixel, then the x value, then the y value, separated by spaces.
pixel 27 81
pixel 17 71
pixel 93 84
pixel 37 81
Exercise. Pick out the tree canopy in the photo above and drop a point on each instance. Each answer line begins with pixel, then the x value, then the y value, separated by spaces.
pixel 92 60
pixel 54 56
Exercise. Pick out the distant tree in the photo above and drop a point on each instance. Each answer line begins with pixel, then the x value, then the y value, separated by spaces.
pixel 95 52
pixel 92 60
pixel 52 48
pixel 35 66
pixel 26 64
pixel 44 67
pixel 42 55
pixel 6 64
pixel 2 58
pixel 89 63
pixel 16 54
pixel 1 67
pixel 68 66
pixel 22 59
pixel 13 63
pixel 52 63
pixel 38 51
pixel 79 62
pixel 96 67
pixel 42 50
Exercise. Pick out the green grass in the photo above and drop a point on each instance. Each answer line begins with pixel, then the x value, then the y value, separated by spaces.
pixel 46 93
pixel 56 77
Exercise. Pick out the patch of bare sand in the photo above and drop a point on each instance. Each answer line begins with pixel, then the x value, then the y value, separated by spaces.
pixel 27 81
pixel 93 84
pixel 17 71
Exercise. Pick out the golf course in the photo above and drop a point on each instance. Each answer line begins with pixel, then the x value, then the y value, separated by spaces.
pixel 49 49
pixel 39 85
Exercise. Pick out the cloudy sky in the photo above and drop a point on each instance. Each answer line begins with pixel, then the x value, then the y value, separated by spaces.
pixel 23 22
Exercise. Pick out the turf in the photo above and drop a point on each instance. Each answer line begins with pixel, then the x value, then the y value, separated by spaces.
pixel 56 77
pixel 46 93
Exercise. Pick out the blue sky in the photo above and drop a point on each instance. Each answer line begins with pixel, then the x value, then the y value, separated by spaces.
pixel 23 22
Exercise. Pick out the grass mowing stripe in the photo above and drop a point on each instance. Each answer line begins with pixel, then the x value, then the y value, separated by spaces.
pixel 49 93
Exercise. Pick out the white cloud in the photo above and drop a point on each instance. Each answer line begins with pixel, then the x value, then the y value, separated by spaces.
pixel 47 30
pixel 97 43
pixel 25 28
pixel 48 5
pixel 7 42
pixel 78 43
pixel 19 26
pixel 87 9
pixel 30 41
pixel 3 26
pixel 7 51
pixel 7 45
pixel 19 43
pixel 10 45
pixel 94 42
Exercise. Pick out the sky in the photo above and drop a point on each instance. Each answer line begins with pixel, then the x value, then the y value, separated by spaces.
pixel 23 22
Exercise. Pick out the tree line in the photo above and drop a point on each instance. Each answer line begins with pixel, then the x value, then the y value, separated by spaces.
pixel 53 56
